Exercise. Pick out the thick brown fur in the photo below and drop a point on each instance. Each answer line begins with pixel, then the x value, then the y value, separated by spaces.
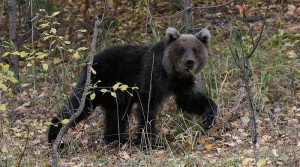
pixel 169 67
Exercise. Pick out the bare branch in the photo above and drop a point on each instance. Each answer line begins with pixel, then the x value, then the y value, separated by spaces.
pixel 205 7
pixel 56 144
pixel 248 55
pixel 244 68
pixel 26 143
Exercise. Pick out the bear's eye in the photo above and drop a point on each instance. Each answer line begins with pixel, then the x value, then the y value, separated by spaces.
pixel 181 50
pixel 195 50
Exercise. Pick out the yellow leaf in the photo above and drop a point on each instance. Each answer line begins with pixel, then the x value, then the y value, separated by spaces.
pixel 3 107
pixel 53 31
pixel 13 79
pixel 82 48
pixel 45 66
pixel 76 55
pixel 208 147
pixel 15 53
pixel 67 42
pixel 53 42
pixel 47 37
pixel 4 149
pixel 5 54
pixel 82 30
pixel 116 86
pixel 48 123
pixel 54 14
pixel 104 90
pixel 123 87
pixel 6 120
pixel 65 121
pixel 23 54
pixel 113 94
pixel 5 68
pixel 261 163
pixel 56 61
pixel 44 25
pixel 135 88
pixel 3 87
pixel 41 55
pixel 92 96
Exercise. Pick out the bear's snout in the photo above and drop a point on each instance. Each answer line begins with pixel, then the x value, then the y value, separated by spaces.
pixel 189 64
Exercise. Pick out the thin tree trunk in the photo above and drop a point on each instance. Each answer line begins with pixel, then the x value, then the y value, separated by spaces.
pixel 187 15
pixel 1 54
pixel 12 15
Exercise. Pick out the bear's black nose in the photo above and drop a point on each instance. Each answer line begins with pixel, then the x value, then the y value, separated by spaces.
pixel 189 64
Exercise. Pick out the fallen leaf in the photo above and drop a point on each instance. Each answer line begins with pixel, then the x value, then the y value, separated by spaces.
pixel 201 140
pixel 293 122
pixel 82 48
pixel 291 9
pixel 76 55
pixel 274 151
pixel 160 154
pixel 292 54
pixel 124 155
pixel 247 162
pixel 45 66
pixel 245 120
pixel 4 149
pixel 54 14
pixel 242 9
pixel 3 107
pixel 208 147
pixel 261 162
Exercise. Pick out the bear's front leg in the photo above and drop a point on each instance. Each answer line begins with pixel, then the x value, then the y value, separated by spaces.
pixel 146 127
pixel 198 103
pixel 146 117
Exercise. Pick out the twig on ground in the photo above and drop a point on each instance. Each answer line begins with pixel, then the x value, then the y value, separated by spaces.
pixel 26 143
pixel 56 144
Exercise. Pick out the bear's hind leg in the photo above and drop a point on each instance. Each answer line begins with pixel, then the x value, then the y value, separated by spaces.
pixel 66 113
pixel 70 107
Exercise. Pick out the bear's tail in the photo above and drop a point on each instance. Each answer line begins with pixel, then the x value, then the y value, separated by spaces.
pixel 70 107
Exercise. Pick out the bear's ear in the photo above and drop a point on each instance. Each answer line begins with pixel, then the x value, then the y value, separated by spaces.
pixel 172 34
pixel 204 36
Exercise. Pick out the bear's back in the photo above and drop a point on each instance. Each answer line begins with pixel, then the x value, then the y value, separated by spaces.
pixel 119 64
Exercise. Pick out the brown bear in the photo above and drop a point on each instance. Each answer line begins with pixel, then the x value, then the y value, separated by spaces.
pixel 169 67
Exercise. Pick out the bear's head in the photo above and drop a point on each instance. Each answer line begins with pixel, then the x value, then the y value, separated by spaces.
pixel 185 54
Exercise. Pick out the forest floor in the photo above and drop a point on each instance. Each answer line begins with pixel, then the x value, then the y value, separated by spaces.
pixel 47 81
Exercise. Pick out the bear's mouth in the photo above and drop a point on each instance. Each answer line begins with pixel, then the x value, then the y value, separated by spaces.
pixel 189 70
